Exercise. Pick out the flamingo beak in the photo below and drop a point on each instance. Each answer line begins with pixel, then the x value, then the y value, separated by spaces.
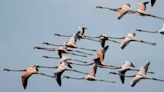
pixel 98 7
pixel 37 66
pixel 84 27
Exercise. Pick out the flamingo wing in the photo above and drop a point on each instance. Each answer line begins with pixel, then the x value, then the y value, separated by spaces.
pixel 25 78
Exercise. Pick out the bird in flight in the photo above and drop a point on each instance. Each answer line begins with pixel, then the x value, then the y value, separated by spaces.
pixel 123 69
pixel 141 11
pixel 63 49
pixel 79 33
pixel 142 74
pixel 33 69
pixel 127 66
pixel 101 54
pixel 102 39
pixel 122 11
pixel 91 76
pixel 62 67
pixel 130 37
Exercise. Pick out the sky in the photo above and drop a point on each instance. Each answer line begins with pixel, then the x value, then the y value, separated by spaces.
pixel 27 23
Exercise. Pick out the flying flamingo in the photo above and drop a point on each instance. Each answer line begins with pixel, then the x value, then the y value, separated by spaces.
pixel 142 74
pixel 63 66
pixel 64 46
pixel 101 66
pixel 91 76
pixel 131 38
pixel 123 69
pixel 62 57
pixel 142 11
pixel 161 31
pixel 127 66
pixel 101 54
pixel 126 8
pixel 102 39
pixel 71 63
pixel 79 34
pixel 61 50
pixel 46 43
pixel 33 69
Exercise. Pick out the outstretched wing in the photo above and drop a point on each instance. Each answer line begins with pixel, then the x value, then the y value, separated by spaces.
pixel 134 82
pixel 25 78
pixel 122 75
pixel 58 77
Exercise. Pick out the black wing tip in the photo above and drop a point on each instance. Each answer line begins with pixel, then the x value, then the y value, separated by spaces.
pixel 122 47
pixel 153 2
pixel 24 87
pixel 58 79
pixel 122 81
pixel 119 18
pixel 24 82
pixel 132 85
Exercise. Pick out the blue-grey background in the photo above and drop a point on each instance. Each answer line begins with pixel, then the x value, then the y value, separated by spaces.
pixel 27 23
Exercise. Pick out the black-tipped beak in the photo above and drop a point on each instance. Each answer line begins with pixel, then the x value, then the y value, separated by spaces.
pixel 138 30
pixel 44 56
pixel 57 34
pixel 37 66
pixel 84 27
pixel 36 48
pixel 98 7
pixel 45 43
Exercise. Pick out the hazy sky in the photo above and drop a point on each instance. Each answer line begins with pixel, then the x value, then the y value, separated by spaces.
pixel 27 23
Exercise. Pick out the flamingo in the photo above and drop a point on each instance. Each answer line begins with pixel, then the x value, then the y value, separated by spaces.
pixel 33 69
pixel 126 8
pixel 64 44
pixel 142 74
pixel 61 50
pixel 123 69
pixel 71 63
pixel 63 66
pixel 102 39
pixel 91 76
pixel 161 31
pixel 142 11
pixel 101 54
pixel 79 33
pixel 62 57
pixel 131 37
pixel 101 66
pixel 127 66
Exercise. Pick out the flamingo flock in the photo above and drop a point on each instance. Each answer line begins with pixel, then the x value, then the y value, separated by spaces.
pixel 70 46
